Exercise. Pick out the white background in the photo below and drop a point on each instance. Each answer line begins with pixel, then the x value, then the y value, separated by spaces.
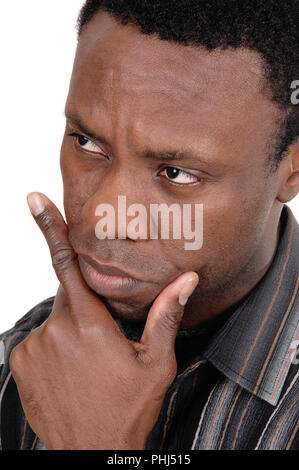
pixel 38 42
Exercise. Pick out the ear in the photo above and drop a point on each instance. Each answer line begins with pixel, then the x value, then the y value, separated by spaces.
pixel 289 187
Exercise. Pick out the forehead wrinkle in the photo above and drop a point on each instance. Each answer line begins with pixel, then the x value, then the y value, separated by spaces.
pixel 122 79
pixel 177 78
pixel 130 82
pixel 186 69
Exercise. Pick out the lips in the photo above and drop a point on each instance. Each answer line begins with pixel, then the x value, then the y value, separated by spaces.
pixel 107 281
pixel 104 268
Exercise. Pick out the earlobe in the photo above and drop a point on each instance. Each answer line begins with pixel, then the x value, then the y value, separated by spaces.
pixel 290 181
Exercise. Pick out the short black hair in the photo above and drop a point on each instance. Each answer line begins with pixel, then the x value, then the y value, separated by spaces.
pixel 269 27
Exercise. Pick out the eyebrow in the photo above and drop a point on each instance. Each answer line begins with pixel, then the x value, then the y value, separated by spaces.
pixel 174 155
pixel 166 156
pixel 77 121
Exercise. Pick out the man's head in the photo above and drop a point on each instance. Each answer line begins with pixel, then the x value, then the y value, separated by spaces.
pixel 268 27
pixel 191 104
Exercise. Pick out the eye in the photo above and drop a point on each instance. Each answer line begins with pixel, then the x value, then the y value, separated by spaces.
pixel 179 176
pixel 86 143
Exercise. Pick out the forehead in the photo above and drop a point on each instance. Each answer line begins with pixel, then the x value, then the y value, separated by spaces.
pixel 119 70
pixel 119 50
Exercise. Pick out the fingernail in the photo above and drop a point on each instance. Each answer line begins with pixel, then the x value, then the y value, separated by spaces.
pixel 35 203
pixel 188 288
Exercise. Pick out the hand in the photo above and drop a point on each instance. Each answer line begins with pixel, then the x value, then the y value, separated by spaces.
pixel 82 383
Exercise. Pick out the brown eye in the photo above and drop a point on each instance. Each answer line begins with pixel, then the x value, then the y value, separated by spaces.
pixel 172 173
pixel 179 176
pixel 82 140
pixel 86 143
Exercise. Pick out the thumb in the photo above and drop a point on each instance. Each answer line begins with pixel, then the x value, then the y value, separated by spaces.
pixel 166 313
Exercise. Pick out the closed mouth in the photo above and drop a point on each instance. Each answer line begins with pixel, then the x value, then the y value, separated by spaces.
pixel 106 280
pixel 105 269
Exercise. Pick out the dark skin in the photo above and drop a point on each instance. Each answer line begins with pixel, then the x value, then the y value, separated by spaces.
pixel 139 93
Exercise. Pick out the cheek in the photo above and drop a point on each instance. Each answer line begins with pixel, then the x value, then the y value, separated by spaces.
pixel 233 225
pixel 79 183
pixel 234 228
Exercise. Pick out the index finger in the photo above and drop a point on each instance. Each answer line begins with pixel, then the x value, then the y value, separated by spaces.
pixel 64 258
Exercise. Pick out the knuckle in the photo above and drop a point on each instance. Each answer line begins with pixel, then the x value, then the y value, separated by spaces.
pixel 50 330
pixel 45 220
pixel 25 352
pixel 15 357
pixel 63 258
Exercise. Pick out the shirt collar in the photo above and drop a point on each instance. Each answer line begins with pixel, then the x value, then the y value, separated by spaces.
pixel 256 345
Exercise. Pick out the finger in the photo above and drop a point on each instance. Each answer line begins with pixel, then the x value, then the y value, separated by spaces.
pixel 165 315
pixel 60 301
pixel 64 258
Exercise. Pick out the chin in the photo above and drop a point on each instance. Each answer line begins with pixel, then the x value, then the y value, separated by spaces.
pixel 126 311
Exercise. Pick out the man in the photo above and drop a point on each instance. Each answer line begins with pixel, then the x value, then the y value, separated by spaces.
pixel 147 345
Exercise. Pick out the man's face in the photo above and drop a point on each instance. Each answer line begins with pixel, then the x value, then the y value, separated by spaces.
pixel 146 98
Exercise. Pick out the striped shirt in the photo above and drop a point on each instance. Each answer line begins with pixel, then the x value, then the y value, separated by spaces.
pixel 237 385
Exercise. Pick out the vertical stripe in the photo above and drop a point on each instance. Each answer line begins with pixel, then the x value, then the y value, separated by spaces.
pixel 277 337
pixel 4 387
pixel 34 443
pixel 228 417
pixel 241 330
pixel 241 422
pixel 292 436
pixel 291 355
pixel 271 303
pixel 1 395
pixel 216 413
pixel 24 433
pixel 194 381
pixel 170 406
pixel 276 410
pixel 168 416
pixel 281 424
pixel 202 418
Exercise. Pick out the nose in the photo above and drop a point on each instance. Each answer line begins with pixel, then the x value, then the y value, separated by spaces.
pixel 118 208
